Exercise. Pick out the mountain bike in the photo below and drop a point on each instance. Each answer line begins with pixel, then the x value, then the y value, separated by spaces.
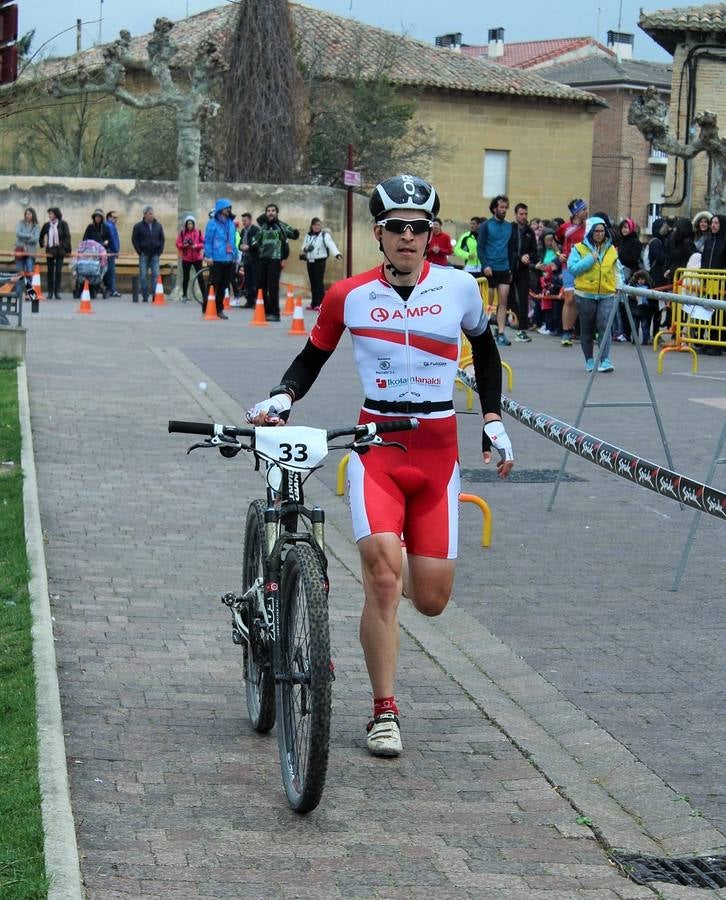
pixel 280 617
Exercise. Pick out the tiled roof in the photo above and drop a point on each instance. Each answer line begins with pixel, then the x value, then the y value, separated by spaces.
pixel 666 25
pixel 603 70
pixel 525 54
pixel 329 43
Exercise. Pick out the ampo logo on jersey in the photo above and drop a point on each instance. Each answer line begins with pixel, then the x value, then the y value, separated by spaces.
pixel 379 314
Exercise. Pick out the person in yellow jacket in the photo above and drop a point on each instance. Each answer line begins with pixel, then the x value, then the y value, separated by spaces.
pixel 598 275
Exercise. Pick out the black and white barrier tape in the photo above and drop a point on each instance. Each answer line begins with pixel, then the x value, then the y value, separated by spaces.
pixel 626 465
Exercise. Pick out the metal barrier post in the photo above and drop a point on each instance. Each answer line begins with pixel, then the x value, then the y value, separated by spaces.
pixel 646 377
pixel 717 460
pixel 135 288
pixel 340 482
pixel 486 531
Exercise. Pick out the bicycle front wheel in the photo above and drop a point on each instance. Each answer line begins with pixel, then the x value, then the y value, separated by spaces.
pixel 259 681
pixel 200 284
pixel 303 690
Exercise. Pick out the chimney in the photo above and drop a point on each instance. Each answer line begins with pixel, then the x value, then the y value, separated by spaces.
pixel 452 41
pixel 622 43
pixel 496 43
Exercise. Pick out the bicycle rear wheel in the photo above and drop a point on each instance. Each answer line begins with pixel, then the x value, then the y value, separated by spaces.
pixel 259 680
pixel 303 691
pixel 199 284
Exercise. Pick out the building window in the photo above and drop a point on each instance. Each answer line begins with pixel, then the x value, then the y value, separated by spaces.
pixel 496 171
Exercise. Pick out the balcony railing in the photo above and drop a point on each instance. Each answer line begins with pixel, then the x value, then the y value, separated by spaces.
pixel 657 157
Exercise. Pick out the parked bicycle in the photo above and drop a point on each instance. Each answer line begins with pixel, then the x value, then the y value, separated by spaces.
pixel 199 283
pixel 280 617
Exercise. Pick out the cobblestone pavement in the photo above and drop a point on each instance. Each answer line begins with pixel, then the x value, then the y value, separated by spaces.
pixel 175 796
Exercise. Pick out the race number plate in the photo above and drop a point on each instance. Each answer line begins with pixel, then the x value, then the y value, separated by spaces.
pixel 292 446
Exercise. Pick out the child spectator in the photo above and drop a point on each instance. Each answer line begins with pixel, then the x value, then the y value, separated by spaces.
pixel 548 310
pixel 643 309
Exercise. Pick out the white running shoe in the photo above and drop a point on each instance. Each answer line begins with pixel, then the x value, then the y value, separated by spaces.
pixel 384 735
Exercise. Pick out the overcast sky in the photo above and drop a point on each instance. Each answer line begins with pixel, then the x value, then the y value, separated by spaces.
pixel 423 19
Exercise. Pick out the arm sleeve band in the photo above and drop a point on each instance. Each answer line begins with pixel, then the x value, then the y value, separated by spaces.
pixel 304 369
pixel 488 371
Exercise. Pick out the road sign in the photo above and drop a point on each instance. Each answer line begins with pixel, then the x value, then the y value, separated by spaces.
pixel 351 178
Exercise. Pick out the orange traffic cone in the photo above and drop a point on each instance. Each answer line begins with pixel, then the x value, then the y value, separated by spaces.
pixel 225 303
pixel 159 299
pixel 297 326
pixel 85 306
pixel 258 316
pixel 36 283
pixel 289 302
pixel 211 311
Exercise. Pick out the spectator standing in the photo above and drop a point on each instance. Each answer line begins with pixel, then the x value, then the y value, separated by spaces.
pixel 525 257
pixel 55 237
pixel 114 246
pixel 97 230
pixel 571 235
pixel 220 247
pixel 701 228
pixel 681 247
pixel 713 256
pixel 657 252
pixel 550 284
pixel 440 246
pixel 27 235
pixel 644 309
pixel 248 258
pixel 593 263
pixel 630 252
pixel 272 241
pixel 466 248
pixel 147 238
pixel 316 248
pixel 494 249
pixel 190 244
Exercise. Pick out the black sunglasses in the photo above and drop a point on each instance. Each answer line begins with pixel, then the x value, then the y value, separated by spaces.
pixel 399 226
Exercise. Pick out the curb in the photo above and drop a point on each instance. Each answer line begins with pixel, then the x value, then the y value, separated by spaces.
pixel 60 848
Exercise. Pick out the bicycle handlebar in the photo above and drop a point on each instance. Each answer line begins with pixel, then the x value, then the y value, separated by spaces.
pixel 212 428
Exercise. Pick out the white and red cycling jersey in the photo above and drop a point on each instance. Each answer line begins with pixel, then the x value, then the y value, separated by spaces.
pixel 406 351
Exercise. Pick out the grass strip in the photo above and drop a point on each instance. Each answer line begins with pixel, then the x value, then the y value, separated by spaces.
pixel 22 869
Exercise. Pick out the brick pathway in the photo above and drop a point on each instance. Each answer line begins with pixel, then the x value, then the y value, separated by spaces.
pixel 173 795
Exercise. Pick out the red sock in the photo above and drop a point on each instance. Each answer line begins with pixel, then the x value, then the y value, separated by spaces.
pixel 384 705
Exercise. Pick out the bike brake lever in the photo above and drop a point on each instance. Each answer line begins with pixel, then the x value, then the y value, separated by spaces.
pixel 206 445
pixel 365 445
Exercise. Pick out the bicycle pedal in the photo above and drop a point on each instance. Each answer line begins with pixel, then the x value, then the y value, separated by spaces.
pixel 229 599
pixel 237 637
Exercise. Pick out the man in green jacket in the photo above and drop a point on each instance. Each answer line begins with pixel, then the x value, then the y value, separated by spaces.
pixel 273 248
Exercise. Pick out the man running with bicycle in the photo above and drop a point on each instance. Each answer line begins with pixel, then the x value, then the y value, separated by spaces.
pixel 405 319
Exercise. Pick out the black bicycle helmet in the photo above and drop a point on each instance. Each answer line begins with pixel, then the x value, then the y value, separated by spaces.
pixel 404 192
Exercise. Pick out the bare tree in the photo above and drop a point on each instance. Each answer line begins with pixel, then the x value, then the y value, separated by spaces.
pixel 650 116
pixel 189 96
pixel 262 97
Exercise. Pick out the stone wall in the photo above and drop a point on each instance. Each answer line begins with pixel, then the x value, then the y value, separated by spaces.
pixel 78 197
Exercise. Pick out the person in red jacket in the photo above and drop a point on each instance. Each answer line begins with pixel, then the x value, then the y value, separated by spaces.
pixel 190 244
pixel 440 246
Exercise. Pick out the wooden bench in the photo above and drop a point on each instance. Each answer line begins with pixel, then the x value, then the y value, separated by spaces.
pixel 127 268
pixel 10 303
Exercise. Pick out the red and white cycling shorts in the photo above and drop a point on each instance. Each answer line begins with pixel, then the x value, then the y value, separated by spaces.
pixel 413 494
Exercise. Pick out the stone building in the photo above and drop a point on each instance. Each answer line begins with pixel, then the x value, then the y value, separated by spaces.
pixel 628 175
pixel 696 37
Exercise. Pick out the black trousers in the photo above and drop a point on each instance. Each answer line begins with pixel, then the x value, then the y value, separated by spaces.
pixel 55 273
pixel 269 280
pixel 187 267
pixel 316 274
pixel 220 278
pixel 521 288
pixel 251 281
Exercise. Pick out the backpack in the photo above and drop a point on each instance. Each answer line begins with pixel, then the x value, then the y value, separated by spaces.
pixel 645 257
pixel 284 244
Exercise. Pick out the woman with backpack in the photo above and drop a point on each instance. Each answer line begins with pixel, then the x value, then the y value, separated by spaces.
pixel 317 247
pixel 190 244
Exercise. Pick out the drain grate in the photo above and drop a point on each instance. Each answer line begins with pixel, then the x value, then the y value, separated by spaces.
pixel 528 476
pixel 691 871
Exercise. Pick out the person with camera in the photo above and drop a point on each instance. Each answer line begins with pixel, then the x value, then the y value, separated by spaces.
pixel 317 247
pixel 190 244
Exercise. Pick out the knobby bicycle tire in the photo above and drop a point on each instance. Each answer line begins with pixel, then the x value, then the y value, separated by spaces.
pixel 199 284
pixel 304 688
pixel 259 681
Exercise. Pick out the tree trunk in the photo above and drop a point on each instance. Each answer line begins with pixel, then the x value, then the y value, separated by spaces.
pixel 188 151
